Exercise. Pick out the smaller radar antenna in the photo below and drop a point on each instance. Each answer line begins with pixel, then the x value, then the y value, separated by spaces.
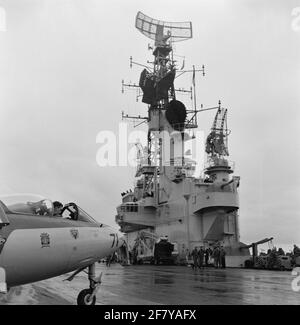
pixel 216 142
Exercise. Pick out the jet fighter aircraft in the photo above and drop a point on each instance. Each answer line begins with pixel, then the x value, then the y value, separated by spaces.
pixel 36 245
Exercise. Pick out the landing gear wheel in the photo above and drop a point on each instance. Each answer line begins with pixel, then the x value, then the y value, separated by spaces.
pixel 84 298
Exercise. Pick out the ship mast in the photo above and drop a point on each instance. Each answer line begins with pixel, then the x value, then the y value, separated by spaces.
pixel 156 87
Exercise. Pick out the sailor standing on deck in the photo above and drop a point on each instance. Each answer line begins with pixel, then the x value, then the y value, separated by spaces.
pixel 195 258
pixel 216 256
pixel 222 257
pixel 200 257
pixel 208 253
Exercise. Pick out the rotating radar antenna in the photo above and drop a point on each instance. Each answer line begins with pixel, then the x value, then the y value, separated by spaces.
pixel 162 31
pixel 217 140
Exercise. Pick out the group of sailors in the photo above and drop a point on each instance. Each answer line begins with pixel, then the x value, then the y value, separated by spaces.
pixel 206 257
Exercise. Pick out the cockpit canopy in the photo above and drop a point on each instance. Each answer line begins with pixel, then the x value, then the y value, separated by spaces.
pixel 31 204
pixel 27 204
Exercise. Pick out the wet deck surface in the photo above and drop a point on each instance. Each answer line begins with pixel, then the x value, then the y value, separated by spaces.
pixel 180 285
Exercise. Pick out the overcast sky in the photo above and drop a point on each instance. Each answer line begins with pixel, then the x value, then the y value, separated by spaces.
pixel 61 66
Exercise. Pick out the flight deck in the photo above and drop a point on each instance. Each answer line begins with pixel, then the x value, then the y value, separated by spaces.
pixel 166 285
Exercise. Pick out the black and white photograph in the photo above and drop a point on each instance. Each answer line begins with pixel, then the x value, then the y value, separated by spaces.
pixel 150 155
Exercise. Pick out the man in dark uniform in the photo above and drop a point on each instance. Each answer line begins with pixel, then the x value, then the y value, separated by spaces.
pixel 195 258
pixel 200 257
pixel 216 256
pixel 222 257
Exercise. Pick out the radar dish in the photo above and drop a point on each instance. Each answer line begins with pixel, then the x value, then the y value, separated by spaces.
pixel 161 31
pixel 176 114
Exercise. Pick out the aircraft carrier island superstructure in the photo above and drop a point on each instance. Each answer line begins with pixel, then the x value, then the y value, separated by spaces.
pixel 168 200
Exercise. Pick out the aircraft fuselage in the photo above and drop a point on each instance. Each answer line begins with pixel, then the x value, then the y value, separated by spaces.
pixel 38 248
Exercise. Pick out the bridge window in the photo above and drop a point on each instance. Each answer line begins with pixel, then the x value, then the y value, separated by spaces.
pixel 129 208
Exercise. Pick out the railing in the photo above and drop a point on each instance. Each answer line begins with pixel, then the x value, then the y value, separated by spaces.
pixel 219 162
pixel 182 126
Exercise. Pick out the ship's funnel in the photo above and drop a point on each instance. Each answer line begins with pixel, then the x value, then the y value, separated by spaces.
pixel 176 114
